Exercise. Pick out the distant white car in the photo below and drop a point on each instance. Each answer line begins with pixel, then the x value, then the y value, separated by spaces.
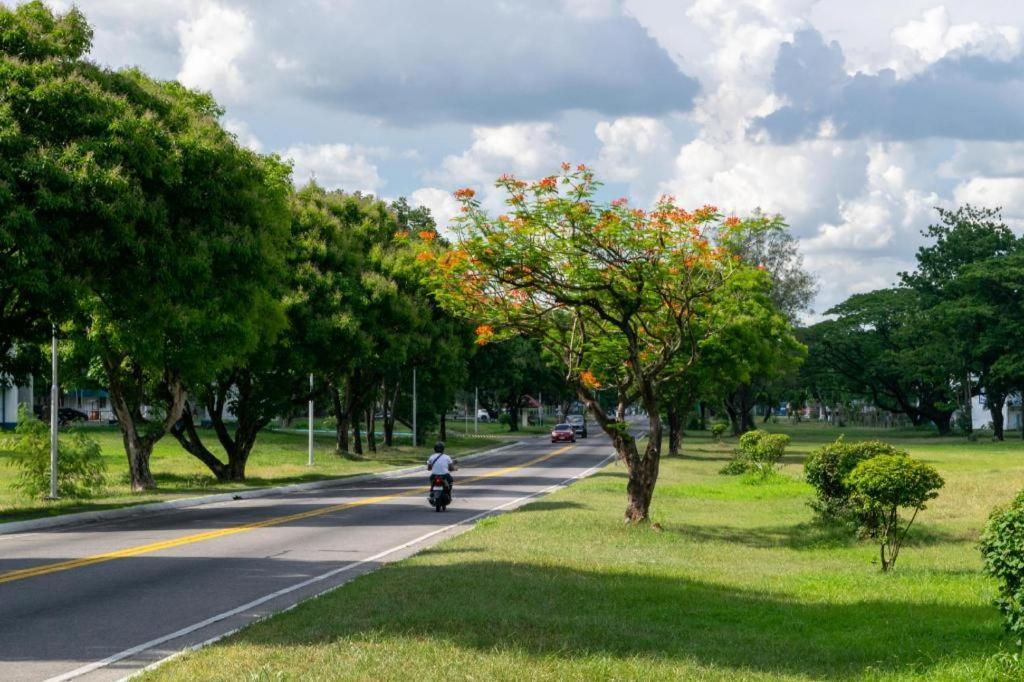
pixel 483 415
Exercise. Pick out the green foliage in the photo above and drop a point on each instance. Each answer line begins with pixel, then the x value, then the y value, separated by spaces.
pixel 758 453
pixel 764 450
pixel 1002 547
pixel 880 487
pixel 718 429
pixel 80 469
pixel 828 468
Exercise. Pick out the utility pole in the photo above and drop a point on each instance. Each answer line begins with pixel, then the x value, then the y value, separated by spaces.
pixel 540 412
pixel 310 420
pixel 414 407
pixel 54 396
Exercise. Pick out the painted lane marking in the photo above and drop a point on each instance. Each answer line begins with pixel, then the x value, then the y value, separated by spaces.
pixel 31 572
pixel 127 653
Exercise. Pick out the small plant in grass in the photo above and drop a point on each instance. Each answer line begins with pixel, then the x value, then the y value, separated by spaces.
pixel 758 452
pixel 80 470
pixel 718 430
pixel 1002 547
pixel 827 469
pixel 883 485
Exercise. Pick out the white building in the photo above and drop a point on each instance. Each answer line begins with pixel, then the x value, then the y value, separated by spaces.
pixel 981 418
pixel 11 397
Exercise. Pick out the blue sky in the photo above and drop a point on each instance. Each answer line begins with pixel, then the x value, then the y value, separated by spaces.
pixel 852 119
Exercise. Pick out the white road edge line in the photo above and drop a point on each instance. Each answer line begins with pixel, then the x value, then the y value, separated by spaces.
pixel 91 667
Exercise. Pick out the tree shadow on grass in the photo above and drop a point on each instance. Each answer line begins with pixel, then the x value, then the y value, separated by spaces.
pixel 543 611
pixel 802 536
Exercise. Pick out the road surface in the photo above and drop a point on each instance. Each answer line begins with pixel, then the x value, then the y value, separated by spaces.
pixel 101 601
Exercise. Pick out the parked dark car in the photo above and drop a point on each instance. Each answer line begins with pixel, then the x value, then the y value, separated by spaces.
pixel 68 415
pixel 563 433
pixel 578 423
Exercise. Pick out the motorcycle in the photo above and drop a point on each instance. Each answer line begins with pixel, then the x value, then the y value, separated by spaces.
pixel 440 493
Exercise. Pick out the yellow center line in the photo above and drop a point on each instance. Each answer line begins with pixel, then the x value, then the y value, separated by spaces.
pixel 21 574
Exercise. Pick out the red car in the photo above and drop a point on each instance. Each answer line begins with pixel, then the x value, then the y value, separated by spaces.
pixel 563 433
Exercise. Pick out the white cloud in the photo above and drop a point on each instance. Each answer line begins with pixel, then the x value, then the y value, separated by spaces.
pixel 443 206
pixel 1005 193
pixel 934 36
pixel 241 130
pixel 334 166
pixel 527 149
pixel 632 147
pixel 211 43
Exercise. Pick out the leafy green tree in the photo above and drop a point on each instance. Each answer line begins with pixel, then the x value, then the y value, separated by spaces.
pixel 963 238
pixel 883 485
pixel 622 297
pixel 169 230
pixel 48 179
pixel 508 370
pixel 828 469
pixel 889 348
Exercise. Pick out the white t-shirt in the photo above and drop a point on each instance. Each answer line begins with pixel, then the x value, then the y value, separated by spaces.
pixel 439 464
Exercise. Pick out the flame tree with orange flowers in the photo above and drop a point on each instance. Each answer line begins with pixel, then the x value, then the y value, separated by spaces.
pixel 623 297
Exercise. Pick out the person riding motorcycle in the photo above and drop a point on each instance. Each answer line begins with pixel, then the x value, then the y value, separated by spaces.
pixel 440 464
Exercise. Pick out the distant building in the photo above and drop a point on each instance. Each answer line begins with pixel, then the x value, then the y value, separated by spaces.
pixel 11 397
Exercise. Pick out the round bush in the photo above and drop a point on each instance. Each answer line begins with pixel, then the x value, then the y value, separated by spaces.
pixel 828 467
pixel 80 466
pixel 883 485
pixel 1002 547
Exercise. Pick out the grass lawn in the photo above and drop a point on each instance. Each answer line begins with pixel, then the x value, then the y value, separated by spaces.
pixel 740 585
pixel 278 458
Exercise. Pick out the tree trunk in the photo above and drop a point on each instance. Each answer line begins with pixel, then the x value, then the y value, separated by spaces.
pixel 443 427
pixel 703 416
pixel 643 467
pixel 184 431
pixel 357 437
pixel 675 430
pixel 371 429
pixel 513 413
pixel 126 400
pixel 341 422
pixel 995 408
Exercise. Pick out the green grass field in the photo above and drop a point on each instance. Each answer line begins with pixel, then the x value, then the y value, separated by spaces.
pixel 740 585
pixel 278 458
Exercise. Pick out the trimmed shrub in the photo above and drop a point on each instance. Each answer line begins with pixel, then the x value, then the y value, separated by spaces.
pixel 759 451
pixel 80 471
pixel 1002 547
pixel 880 487
pixel 718 429
pixel 828 467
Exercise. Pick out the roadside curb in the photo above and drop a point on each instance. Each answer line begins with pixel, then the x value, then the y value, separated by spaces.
pixel 82 518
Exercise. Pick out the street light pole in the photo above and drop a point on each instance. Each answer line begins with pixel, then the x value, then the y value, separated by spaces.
pixel 476 410
pixel 414 407
pixel 310 420
pixel 54 396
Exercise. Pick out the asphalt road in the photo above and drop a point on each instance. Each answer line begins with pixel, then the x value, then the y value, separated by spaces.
pixel 101 601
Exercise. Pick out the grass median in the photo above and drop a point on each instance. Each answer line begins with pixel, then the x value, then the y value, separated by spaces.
pixel 741 584
pixel 278 458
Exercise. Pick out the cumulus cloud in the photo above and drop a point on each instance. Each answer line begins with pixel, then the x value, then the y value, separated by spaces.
pixel 960 96
pixel 334 166
pixel 417 63
pixel 211 43
pixel 934 36
pixel 441 203
pixel 633 147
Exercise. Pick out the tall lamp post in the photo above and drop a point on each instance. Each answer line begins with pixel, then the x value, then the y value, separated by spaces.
pixel 54 397
pixel 414 407
pixel 310 420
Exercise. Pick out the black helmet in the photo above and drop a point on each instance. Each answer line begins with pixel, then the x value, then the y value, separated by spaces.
pixel 439 446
